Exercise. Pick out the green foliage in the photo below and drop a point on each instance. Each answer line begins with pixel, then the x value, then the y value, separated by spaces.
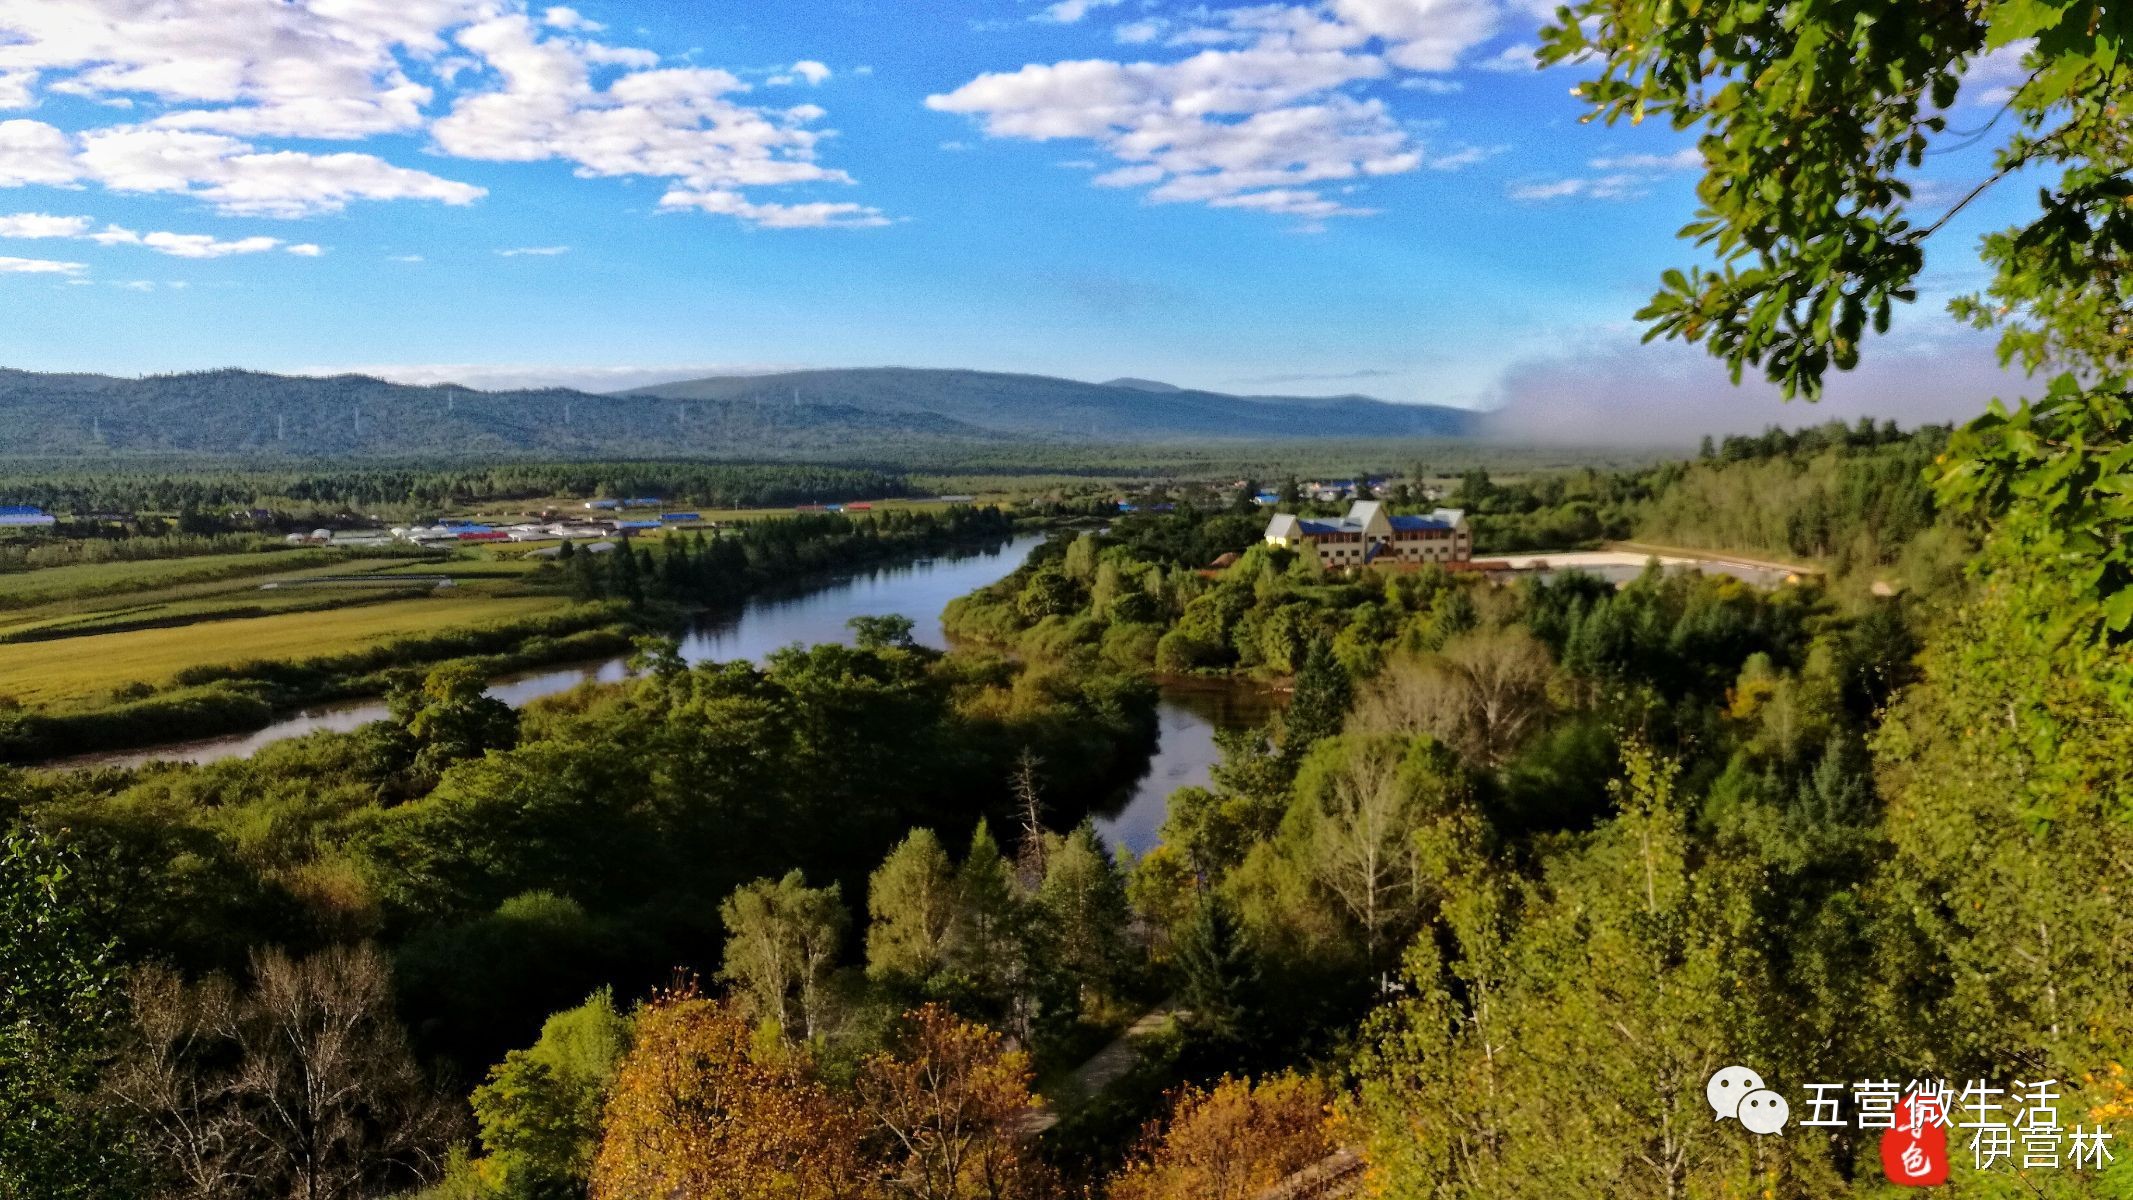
pixel 2010 827
pixel 539 1111
pixel 1356 862
pixel 1050 592
pixel 452 717
pixel 599 847
pixel 1084 919
pixel 781 942
pixel 1219 978
pixel 912 901
pixel 1323 693
pixel 2063 465
pixel 892 631
pixel 60 994
pixel 1629 960
pixel 1811 118
pixel 993 923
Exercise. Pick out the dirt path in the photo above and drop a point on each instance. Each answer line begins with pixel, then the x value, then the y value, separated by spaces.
pixel 1726 556
pixel 1104 1068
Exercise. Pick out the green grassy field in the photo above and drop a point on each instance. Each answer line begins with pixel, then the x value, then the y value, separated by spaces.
pixel 71 635
pixel 202 609
pixel 60 584
pixel 77 669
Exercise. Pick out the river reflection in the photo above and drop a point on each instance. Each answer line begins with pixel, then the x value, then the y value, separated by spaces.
pixel 805 615
pixel 1188 717
pixel 801 615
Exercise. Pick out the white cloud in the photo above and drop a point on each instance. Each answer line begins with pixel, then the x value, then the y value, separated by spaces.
pixel 1295 202
pixel 533 251
pixel 178 245
pixel 562 17
pixel 32 152
pixel 39 266
pixel 1218 124
pixel 1272 112
pixel 404 258
pixel 1512 59
pixel 1991 79
pixel 1141 32
pixel 1421 35
pixel 1627 177
pixel 17 89
pixel 232 175
pixel 39 225
pixel 247 67
pixel 1603 187
pixel 818 215
pixel 1432 85
pixel 807 69
pixel 1466 157
pixel 1067 12
pixel 200 245
pixel 1688 158
pixel 676 123
pixel 486 79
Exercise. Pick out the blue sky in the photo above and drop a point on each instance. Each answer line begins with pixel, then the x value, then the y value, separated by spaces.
pixel 1380 196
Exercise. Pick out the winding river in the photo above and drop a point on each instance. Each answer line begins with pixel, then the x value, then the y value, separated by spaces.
pixel 1188 717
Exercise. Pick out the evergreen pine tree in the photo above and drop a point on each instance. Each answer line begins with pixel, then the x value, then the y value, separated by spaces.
pixel 1083 903
pixel 1323 691
pixel 587 580
pixel 990 905
pixel 628 576
pixel 1218 976
pixel 673 566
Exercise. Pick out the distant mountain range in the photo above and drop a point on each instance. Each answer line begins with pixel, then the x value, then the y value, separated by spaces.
pixel 804 412
pixel 1123 410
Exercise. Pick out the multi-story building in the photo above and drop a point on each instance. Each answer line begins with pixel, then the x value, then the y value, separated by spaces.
pixel 1369 534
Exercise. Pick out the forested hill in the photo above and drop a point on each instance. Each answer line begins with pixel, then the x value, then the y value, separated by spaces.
pixel 1120 410
pixel 246 412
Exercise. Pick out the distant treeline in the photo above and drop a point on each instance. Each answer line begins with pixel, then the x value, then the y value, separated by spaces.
pixel 176 488
pixel 690 568
pixel 1854 497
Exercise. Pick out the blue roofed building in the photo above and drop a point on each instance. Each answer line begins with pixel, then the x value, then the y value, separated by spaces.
pixel 24 516
pixel 1368 534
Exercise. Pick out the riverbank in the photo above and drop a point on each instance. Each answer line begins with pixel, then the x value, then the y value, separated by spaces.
pixel 214 701
pixel 240 676
pixel 800 610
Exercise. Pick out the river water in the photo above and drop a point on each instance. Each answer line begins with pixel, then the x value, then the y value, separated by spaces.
pixel 805 615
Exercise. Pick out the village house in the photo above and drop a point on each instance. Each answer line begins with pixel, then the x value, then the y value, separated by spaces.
pixel 1369 534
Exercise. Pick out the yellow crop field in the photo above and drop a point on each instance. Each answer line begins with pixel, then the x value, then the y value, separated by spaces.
pixel 88 668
